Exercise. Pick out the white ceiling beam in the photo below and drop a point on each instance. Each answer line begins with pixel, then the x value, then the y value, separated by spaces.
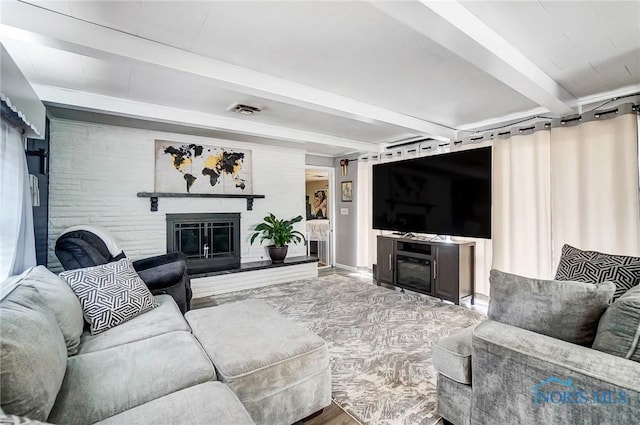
pixel 451 25
pixel 141 110
pixel 616 96
pixel 36 25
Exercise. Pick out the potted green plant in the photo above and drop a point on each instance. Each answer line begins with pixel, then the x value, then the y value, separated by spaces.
pixel 281 233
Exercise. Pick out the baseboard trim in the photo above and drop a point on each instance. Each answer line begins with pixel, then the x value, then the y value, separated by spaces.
pixel 350 268
pixel 482 297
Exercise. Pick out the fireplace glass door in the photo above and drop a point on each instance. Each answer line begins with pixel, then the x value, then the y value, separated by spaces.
pixel 210 241
pixel 205 240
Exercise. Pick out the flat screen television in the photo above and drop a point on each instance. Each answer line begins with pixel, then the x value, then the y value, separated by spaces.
pixel 447 194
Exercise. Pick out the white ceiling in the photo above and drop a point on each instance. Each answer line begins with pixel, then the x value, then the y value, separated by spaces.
pixel 588 47
pixel 331 77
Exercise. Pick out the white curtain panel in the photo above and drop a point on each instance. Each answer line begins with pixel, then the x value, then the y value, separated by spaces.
pixel 522 205
pixel 17 244
pixel 484 258
pixel 594 186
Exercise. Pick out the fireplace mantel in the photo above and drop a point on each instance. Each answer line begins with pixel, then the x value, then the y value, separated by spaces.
pixel 155 195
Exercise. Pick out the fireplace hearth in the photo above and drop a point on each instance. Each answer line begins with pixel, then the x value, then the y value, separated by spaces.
pixel 211 241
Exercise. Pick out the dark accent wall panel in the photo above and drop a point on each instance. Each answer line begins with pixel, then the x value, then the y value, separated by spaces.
pixel 38 165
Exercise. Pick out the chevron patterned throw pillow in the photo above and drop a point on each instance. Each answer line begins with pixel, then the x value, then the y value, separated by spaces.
pixel 110 294
pixel 596 267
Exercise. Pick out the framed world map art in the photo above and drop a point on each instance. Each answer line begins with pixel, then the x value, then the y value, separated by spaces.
pixel 194 168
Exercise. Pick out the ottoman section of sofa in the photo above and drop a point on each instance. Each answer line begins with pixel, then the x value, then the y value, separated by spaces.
pixel 278 369
pixel 107 382
pixel 211 403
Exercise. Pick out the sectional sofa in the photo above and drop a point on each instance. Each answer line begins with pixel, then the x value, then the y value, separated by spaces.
pixel 236 364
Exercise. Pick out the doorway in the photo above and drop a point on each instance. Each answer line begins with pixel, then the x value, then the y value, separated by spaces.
pixel 320 206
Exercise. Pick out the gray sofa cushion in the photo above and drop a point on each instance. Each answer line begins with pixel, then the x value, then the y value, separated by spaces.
pixel 32 355
pixel 254 347
pixel 110 294
pixel 561 309
pixel 594 267
pixel 278 369
pixel 452 355
pixel 104 383
pixel 619 328
pixel 61 300
pixel 211 403
pixel 161 320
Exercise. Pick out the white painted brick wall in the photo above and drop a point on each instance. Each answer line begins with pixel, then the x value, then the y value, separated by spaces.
pixel 222 284
pixel 96 171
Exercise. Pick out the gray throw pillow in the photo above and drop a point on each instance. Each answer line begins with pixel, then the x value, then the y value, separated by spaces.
pixel 33 355
pixel 110 294
pixel 619 328
pixel 560 309
pixel 61 301
pixel 594 267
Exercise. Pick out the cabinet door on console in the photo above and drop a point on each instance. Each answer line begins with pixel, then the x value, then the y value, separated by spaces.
pixel 446 273
pixel 385 259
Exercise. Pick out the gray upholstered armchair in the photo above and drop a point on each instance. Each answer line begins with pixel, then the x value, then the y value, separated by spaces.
pixel 501 374
pixel 86 246
pixel 498 372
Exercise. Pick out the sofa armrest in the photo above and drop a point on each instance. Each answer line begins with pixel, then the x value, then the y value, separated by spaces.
pixel 161 271
pixel 150 262
pixel 523 377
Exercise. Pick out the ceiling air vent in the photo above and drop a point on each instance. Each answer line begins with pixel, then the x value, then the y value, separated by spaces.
pixel 243 109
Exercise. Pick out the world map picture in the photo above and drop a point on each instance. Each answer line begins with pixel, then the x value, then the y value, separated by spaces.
pixel 193 168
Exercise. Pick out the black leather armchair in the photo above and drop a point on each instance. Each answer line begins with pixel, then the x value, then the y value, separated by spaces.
pixel 86 246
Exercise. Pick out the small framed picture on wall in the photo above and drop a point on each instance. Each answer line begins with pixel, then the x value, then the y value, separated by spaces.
pixel 347 191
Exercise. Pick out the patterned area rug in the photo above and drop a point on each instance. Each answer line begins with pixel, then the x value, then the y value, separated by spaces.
pixel 379 341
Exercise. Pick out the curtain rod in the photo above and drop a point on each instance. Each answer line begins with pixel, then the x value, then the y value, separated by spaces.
pixel 515 130
pixel 549 123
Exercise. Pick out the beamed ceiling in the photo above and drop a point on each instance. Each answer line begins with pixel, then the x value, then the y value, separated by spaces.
pixel 330 77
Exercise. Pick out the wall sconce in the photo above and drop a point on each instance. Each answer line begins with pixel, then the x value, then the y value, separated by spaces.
pixel 344 166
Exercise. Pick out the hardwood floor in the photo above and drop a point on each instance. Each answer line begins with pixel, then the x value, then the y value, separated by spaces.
pixel 332 415
pixel 202 302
